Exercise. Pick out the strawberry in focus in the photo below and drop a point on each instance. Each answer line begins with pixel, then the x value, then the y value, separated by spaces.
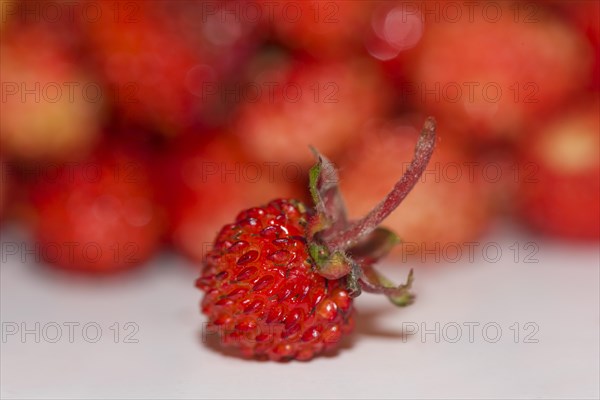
pixel 267 297
pixel 562 196
pixel 97 216
pixel 280 280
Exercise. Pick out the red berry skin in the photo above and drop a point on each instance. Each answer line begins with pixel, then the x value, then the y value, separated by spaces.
pixel 448 206
pixel 311 104
pixel 45 113
pixel 325 30
pixel 204 182
pixel 164 60
pixel 585 16
pixel 536 63
pixel 97 216
pixel 561 197
pixel 262 293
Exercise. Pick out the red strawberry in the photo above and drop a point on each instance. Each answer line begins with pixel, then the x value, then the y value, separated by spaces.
pixel 51 109
pixel 164 59
pixel 207 180
pixel 259 286
pixel 562 196
pixel 99 215
pixel 324 29
pixel 585 16
pixel 492 76
pixel 280 279
pixel 448 207
pixel 305 103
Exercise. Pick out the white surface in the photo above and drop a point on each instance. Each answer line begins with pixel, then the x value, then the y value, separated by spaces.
pixel 560 294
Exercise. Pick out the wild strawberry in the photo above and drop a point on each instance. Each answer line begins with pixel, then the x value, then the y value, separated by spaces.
pixel 99 215
pixel 490 77
pixel 280 279
pixel 163 60
pixel 447 208
pixel 205 180
pixel 51 109
pixel 561 195
pixel 300 103
pixel 323 29
pixel 586 17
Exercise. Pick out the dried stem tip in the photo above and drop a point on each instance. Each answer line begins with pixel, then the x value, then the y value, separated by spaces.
pixel 357 230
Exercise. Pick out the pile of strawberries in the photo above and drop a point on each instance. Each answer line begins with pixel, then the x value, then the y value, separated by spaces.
pixel 130 126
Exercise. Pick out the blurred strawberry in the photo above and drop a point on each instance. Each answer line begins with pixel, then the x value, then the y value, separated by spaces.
pixel 323 29
pixel 165 60
pixel 51 108
pixel 99 215
pixel 299 103
pixel 501 172
pixel 206 181
pixel 585 15
pixel 449 205
pixel 489 78
pixel 562 197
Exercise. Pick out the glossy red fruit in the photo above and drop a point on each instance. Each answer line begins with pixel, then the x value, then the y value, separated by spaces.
pixel 99 215
pixel 280 279
pixel 302 103
pixel 562 197
pixel 449 206
pixel 205 181
pixel 165 61
pixel 491 76
pixel 262 292
pixel 52 109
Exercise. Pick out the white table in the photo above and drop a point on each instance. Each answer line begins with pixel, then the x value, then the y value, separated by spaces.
pixel 159 352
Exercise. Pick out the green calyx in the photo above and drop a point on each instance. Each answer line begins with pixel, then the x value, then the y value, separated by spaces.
pixel 342 248
pixel 329 265
pixel 354 263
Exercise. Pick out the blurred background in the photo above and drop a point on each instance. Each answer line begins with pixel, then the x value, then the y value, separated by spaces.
pixel 134 129
pixel 129 127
